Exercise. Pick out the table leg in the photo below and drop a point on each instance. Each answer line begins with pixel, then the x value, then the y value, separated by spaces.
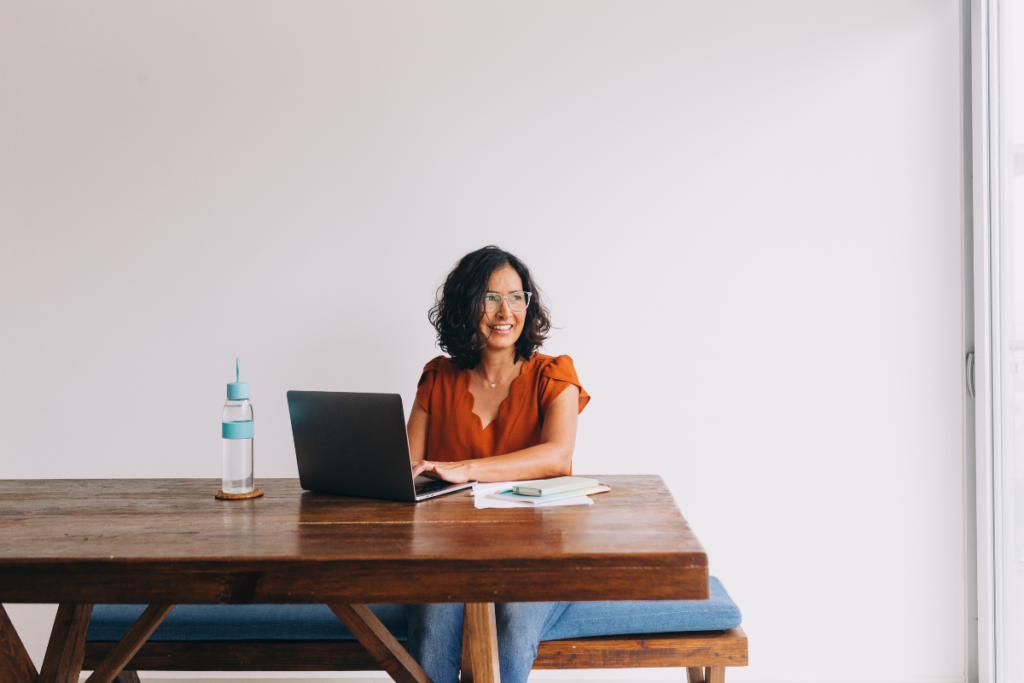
pixel 111 666
pixel 15 664
pixel 66 649
pixel 375 637
pixel 480 644
pixel 694 674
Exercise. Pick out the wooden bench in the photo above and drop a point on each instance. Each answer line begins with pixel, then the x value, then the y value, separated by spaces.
pixel 704 654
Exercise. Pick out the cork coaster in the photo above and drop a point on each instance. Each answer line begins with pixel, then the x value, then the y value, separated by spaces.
pixel 255 493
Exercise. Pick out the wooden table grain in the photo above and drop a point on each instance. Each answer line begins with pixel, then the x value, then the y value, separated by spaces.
pixel 169 541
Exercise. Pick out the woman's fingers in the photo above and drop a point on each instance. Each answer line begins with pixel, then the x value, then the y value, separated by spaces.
pixel 455 472
pixel 427 469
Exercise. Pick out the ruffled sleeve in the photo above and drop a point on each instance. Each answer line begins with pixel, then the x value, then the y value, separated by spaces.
pixel 555 378
pixel 426 385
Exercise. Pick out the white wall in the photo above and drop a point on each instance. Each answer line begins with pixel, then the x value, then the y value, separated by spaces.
pixel 745 216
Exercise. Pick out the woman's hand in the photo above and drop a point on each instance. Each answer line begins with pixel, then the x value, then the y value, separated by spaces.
pixel 455 472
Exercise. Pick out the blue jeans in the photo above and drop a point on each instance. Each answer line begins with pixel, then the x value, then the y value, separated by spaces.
pixel 435 637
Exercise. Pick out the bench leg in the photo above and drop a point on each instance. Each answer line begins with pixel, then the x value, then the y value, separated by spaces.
pixel 112 665
pixel 480 644
pixel 15 664
pixel 66 649
pixel 694 674
pixel 127 677
pixel 375 637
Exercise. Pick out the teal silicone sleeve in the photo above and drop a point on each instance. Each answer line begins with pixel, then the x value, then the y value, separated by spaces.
pixel 237 430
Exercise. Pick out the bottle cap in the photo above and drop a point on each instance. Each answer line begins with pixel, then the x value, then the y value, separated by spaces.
pixel 238 390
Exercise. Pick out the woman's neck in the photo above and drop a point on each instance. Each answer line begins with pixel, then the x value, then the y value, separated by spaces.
pixel 495 364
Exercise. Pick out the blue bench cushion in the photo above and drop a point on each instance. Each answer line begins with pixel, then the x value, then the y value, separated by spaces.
pixel 582 619
pixel 318 622
pixel 240 622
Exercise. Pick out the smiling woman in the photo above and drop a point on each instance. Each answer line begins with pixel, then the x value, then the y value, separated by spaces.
pixel 493 410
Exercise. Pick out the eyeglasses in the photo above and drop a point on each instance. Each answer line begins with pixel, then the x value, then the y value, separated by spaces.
pixel 517 301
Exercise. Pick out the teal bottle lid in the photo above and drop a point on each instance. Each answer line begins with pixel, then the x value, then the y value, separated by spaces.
pixel 238 390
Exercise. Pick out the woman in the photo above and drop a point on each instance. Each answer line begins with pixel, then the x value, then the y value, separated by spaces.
pixel 494 410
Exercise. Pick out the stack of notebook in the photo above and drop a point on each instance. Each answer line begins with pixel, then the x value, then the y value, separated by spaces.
pixel 537 493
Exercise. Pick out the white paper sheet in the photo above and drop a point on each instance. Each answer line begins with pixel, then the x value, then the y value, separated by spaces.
pixel 481 501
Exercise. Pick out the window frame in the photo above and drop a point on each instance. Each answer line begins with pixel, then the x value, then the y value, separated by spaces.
pixel 984 319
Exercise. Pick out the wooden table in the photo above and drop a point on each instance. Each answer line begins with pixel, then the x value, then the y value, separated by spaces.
pixel 167 541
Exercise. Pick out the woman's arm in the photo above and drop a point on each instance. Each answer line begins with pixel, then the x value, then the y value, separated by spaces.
pixel 419 422
pixel 550 458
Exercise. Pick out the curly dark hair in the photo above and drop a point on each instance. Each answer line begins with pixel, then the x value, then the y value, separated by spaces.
pixel 459 307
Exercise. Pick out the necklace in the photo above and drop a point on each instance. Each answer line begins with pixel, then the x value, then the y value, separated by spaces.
pixel 500 379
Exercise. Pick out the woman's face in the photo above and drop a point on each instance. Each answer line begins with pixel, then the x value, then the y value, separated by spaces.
pixel 502 328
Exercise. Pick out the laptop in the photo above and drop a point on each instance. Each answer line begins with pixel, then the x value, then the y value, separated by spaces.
pixel 353 444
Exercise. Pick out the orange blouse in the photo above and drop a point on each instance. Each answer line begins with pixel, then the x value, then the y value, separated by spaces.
pixel 455 431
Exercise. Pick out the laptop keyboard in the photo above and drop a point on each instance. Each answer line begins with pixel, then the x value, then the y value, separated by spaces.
pixel 428 486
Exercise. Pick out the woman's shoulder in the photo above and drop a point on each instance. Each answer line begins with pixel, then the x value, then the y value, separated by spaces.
pixel 554 374
pixel 543 360
pixel 556 367
pixel 437 379
pixel 440 365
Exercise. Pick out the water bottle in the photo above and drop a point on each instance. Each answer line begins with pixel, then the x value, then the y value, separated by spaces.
pixel 237 430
